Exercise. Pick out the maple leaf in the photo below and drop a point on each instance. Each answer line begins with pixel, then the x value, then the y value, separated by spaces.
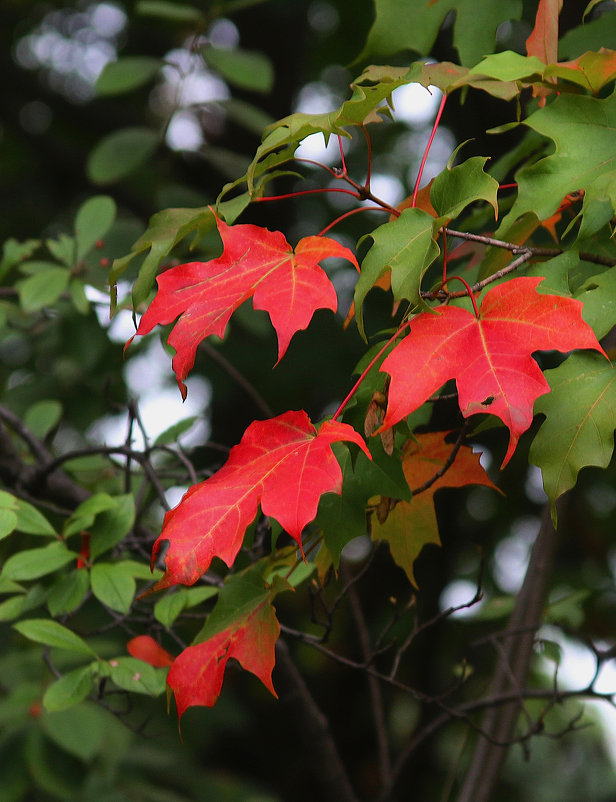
pixel 572 122
pixel 580 421
pixel 411 525
pixel 489 356
pixel 243 626
pixel 543 40
pixel 256 263
pixel 282 463
pixel 145 648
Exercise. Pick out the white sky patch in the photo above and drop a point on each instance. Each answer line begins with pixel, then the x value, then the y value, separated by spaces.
pixel 458 592
pixel 387 188
pixel 512 553
pixel 576 670
pixel 315 149
pixel 533 486
pixel 160 410
pixel 416 105
pixel 184 132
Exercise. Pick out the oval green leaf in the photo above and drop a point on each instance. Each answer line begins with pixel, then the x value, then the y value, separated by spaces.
pixel 119 153
pixel 126 74
pixel 247 69
pixel 114 586
pixel 50 633
pixel 42 288
pixel 94 219
pixel 69 690
pixel 33 563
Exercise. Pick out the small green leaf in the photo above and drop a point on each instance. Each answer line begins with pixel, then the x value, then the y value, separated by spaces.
pixel 86 512
pixel 247 69
pixel 508 66
pixel 69 690
pixel 18 605
pixel 405 246
pixel 167 609
pixel 12 608
pixel 78 730
pixel 43 288
pixel 50 633
pixel 8 522
pixel 31 522
pixel 135 675
pixel 78 295
pixel 173 433
pixel 68 592
pixel 8 586
pixel 14 253
pixel 113 585
pixel 33 563
pixel 166 10
pixel 456 187
pixel 62 248
pixel 8 513
pixel 165 230
pixel 42 417
pixel 94 219
pixel 126 74
pixel 112 525
pixel 120 153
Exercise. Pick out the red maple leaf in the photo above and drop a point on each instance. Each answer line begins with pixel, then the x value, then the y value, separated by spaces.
pixel 256 263
pixel 145 648
pixel 489 356
pixel 196 675
pixel 283 464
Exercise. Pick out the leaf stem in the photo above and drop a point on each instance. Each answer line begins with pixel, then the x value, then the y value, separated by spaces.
pixel 427 150
pixel 303 192
pixel 469 292
pixel 369 367
pixel 341 217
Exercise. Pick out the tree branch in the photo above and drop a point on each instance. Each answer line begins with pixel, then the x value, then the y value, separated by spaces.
pixel 313 726
pixel 498 723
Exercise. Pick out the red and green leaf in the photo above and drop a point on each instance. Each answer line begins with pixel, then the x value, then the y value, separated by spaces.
pixel 411 525
pixel 242 626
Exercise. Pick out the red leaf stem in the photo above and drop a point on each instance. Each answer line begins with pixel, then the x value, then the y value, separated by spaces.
pixel 427 150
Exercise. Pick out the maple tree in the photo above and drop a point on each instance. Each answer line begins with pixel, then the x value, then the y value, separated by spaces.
pixel 495 335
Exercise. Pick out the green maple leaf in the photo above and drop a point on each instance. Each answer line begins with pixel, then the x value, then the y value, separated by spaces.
pixel 583 130
pixel 580 420
pixel 405 246
pixel 411 25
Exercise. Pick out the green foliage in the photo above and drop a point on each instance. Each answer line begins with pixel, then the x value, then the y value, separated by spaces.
pixel 372 562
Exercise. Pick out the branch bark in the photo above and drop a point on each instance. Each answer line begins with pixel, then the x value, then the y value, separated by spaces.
pixel 329 773
pixel 499 723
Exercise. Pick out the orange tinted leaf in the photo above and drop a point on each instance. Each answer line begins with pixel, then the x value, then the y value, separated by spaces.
pixel 145 648
pixel 256 263
pixel 543 41
pixel 489 357
pixel 591 70
pixel 196 675
pixel 283 464
pixel 411 525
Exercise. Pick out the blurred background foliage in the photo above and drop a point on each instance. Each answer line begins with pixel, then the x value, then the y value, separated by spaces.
pixel 178 116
